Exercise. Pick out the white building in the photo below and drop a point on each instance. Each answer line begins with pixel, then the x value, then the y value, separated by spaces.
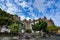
pixel 4 29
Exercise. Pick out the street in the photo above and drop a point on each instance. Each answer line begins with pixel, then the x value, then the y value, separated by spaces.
pixel 36 38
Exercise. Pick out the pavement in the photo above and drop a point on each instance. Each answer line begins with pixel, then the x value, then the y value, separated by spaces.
pixel 55 37
pixel 37 38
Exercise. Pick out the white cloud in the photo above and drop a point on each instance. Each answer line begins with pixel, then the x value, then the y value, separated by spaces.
pixel 9 4
pixel 24 4
pixel 21 3
pixel 28 18
pixel 31 9
pixel 3 7
pixel 56 18
pixel 14 8
pixel 11 9
pixel 22 17
pixel 39 5
pixel 36 18
pixel 32 14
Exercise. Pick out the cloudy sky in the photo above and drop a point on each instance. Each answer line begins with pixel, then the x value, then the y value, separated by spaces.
pixel 31 9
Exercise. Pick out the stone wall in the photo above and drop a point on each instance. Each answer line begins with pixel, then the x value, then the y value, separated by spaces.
pixel 28 23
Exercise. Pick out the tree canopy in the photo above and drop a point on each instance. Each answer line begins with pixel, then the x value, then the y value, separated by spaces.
pixel 39 26
pixel 52 28
pixel 6 18
pixel 15 27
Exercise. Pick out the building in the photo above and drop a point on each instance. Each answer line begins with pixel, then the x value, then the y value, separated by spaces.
pixel 58 31
pixel 28 23
pixel 5 29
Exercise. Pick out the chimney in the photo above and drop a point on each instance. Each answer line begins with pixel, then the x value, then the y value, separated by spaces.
pixel 25 20
pixel 44 19
pixel 19 18
pixel 39 19
pixel 29 20
pixel 34 21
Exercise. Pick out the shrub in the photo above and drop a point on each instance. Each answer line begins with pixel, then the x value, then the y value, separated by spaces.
pixel 28 31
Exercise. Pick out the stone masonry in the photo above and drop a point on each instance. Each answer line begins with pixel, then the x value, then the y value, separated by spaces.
pixel 28 23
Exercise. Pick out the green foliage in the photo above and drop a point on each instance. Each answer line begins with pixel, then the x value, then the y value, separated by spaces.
pixel 5 21
pixel 15 27
pixel 9 20
pixel 52 28
pixel 6 18
pixel 39 26
pixel 44 26
pixel 35 27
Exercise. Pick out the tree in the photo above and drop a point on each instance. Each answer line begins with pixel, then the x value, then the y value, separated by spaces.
pixel 15 27
pixel 39 26
pixel 35 27
pixel 52 28
pixel 7 18
pixel 44 26
pixel 5 21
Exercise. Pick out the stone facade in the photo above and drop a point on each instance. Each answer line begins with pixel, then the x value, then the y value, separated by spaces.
pixel 58 31
pixel 50 22
pixel 28 23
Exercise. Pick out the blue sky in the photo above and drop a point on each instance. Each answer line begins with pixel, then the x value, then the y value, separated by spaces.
pixel 33 9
